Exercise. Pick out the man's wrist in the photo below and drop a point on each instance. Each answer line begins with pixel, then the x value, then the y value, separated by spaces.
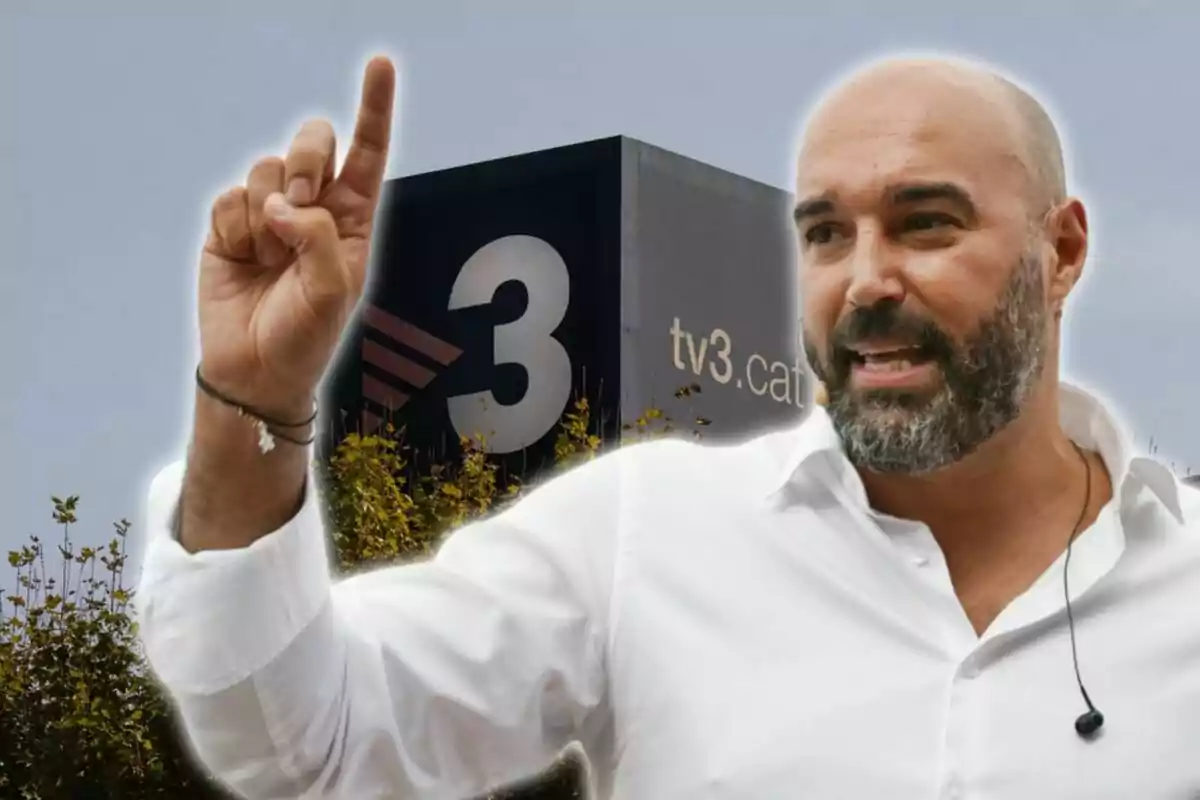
pixel 229 426
pixel 279 407
pixel 234 492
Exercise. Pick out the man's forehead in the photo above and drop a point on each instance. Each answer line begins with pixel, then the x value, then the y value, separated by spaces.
pixel 917 124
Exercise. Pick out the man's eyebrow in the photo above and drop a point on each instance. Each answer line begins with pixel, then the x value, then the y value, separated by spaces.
pixel 815 206
pixel 897 194
pixel 911 193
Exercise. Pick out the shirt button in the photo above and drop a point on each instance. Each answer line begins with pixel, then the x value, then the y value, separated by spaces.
pixel 920 561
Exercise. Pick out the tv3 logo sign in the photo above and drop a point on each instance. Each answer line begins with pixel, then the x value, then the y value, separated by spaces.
pixel 527 341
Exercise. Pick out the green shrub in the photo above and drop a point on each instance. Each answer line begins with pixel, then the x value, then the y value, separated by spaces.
pixel 82 715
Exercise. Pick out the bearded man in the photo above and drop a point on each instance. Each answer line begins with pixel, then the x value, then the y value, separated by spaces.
pixel 929 588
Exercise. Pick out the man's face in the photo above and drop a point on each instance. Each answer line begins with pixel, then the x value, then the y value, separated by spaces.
pixel 925 310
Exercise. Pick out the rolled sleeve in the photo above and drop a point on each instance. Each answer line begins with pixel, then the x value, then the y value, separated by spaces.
pixel 210 620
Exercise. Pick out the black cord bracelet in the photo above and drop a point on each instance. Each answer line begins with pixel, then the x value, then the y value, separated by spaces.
pixel 266 425
pixel 286 438
pixel 249 410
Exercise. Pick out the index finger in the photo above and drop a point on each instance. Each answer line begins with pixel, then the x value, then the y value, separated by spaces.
pixel 366 158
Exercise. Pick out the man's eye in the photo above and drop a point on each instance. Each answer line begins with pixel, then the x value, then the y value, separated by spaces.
pixel 928 221
pixel 821 233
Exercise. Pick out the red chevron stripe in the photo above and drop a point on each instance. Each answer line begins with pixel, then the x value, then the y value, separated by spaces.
pixel 396 365
pixel 370 423
pixel 387 396
pixel 410 335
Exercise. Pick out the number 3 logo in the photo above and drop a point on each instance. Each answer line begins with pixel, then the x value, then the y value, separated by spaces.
pixel 528 341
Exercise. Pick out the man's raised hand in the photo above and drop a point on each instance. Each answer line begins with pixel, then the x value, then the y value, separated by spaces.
pixel 286 257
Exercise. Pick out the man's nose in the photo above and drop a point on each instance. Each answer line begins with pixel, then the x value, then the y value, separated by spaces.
pixel 875 271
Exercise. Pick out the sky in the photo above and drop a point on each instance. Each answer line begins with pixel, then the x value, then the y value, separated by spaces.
pixel 120 126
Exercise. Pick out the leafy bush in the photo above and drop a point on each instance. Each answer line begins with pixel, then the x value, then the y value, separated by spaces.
pixel 83 716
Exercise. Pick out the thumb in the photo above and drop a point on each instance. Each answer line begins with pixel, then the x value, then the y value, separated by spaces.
pixel 313 234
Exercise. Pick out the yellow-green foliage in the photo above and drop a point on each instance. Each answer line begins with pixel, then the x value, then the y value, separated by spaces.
pixel 377 516
pixel 80 715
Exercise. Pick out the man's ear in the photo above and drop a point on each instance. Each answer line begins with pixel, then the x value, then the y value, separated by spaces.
pixel 1067 239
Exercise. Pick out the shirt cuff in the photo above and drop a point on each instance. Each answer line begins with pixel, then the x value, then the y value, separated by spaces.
pixel 211 619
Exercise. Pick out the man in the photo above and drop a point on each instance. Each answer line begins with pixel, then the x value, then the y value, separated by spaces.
pixel 873 604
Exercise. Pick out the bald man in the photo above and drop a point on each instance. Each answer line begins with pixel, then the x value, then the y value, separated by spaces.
pixel 954 580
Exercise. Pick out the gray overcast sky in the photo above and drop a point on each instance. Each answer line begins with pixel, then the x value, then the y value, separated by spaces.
pixel 119 128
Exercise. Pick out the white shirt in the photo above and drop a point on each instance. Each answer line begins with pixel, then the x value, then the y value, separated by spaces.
pixel 709 622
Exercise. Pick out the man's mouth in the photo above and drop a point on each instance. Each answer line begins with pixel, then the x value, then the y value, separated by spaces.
pixel 888 358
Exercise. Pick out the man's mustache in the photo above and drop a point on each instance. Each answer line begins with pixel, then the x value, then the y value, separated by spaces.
pixel 886 319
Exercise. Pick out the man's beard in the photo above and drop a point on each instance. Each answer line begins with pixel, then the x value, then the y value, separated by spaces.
pixel 984 381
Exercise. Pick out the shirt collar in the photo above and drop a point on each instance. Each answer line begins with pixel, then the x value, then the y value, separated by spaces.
pixel 1085 418
pixel 812 437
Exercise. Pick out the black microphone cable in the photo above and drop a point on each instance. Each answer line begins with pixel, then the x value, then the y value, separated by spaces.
pixel 1089 723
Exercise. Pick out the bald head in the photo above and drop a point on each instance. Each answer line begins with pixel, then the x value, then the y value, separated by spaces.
pixel 995 114
pixel 1048 174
